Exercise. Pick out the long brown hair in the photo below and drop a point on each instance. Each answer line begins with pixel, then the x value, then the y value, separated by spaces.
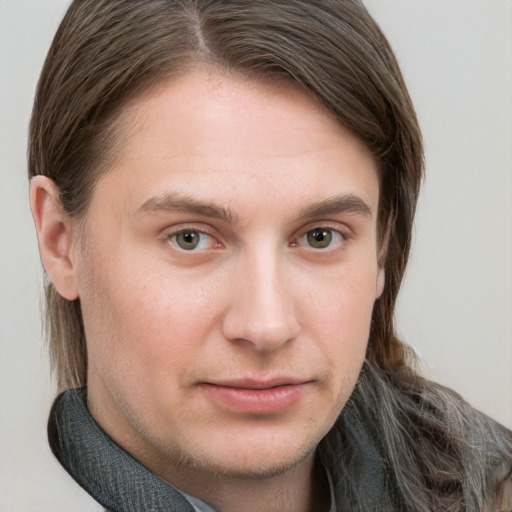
pixel 107 52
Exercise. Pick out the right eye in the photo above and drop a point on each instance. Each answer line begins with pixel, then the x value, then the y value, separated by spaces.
pixel 191 240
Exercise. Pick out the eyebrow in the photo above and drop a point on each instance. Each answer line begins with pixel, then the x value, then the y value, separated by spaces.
pixel 177 202
pixel 345 203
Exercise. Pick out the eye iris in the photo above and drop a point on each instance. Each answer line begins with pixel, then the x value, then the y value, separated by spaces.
pixel 188 240
pixel 319 238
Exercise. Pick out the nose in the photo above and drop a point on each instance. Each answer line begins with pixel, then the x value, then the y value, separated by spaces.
pixel 261 312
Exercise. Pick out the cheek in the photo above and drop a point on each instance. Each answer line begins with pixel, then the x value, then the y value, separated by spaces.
pixel 340 321
pixel 342 301
pixel 144 321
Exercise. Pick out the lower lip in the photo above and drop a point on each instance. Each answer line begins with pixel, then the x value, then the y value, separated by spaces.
pixel 257 401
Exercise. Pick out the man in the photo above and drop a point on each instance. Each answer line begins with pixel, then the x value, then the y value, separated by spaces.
pixel 224 194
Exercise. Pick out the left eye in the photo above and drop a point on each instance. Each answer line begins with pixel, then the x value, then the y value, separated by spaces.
pixel 190 240
pixel 321 238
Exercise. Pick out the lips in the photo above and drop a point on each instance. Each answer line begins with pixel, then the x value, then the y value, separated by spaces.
pixel 257 396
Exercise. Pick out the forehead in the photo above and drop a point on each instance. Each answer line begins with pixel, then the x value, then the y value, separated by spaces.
pixel 206 98
pixel 210 133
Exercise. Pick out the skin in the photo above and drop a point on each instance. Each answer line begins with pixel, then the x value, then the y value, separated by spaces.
pixel 250 171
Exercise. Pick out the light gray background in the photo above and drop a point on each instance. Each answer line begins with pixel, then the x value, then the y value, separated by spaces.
pixel 456 305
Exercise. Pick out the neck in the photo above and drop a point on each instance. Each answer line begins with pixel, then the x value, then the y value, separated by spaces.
pixel 303 488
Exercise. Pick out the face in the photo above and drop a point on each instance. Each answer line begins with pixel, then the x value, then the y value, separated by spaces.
pixel 227 277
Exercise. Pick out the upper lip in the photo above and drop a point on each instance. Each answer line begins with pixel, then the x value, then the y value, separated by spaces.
pixel 259 383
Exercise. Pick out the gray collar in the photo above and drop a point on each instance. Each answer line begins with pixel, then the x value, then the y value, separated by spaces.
pixel 107 472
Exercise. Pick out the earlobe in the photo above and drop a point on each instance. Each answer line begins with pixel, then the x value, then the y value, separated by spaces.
pixel 381 280
pixel 54 235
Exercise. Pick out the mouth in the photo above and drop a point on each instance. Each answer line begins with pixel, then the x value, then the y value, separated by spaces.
pixel 257 396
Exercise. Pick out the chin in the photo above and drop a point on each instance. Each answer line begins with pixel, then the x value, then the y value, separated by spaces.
pixel 251 455
pixel 248 466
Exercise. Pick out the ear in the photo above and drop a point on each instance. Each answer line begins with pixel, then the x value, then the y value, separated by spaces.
pixel 54 235
pixel 381 257
pixel 381 281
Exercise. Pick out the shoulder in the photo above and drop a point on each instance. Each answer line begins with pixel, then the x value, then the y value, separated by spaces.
pixel 58 491
pixel 34 480
pixel 504 495
pixel 499 444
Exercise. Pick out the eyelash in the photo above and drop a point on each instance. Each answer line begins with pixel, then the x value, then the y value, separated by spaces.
pixel 172 239
pixel 306 240
pixel 337 238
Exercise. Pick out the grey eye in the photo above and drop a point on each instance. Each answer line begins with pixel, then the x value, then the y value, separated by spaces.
pixel 319 238
pixel 188 239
